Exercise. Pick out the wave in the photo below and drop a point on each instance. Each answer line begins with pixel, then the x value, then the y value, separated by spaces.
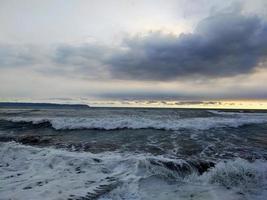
pixel 128 122
pixel 239 173
pixel 46 173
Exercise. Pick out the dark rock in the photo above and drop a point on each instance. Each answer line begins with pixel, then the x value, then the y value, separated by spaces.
pixel 202 166
pixel 184 168
pixel 32 140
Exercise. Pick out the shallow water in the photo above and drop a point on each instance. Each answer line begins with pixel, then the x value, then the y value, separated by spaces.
pixel 118 153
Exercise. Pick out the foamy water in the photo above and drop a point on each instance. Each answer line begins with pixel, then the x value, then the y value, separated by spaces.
pixel 35 173
pixel 137 120
pixel 133 154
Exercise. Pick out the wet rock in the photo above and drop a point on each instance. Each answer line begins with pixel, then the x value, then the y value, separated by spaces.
pixel 33 140
pixel 202 166
pixel 185 168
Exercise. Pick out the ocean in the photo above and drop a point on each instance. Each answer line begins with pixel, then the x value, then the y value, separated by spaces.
pixel 132 154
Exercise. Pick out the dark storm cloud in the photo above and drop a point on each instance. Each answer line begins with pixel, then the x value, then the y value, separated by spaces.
pixel 221 45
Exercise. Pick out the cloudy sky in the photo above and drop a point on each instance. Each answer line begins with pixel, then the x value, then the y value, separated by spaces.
pixel 180 49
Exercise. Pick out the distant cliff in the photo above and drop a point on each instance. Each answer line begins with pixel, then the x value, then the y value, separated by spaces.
pixel 41 105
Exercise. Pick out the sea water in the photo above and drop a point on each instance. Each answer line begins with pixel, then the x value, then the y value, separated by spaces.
pixel 132 153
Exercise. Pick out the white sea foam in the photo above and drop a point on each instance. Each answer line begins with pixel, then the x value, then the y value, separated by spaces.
pixel 33 173
pixel 139 122
pixel 239 174
pixel 45 173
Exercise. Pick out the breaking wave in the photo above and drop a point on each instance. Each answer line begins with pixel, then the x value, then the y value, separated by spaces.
pixel 44 173
pixel 114 123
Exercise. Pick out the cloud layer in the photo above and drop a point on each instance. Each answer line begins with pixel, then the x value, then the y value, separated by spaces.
pixel 221 45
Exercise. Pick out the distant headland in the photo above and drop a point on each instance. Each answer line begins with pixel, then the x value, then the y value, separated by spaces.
pixel 41 105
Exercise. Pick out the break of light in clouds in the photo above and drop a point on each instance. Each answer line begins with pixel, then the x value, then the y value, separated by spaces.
pixel 176 49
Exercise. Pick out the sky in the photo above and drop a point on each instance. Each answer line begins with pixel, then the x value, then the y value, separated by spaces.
pixel 133 49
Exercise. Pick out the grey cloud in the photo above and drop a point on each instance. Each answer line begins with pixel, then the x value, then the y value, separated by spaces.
pixel 225 44
pixel 86 60
pixel 11 56
pixel 83 60
pixel 82 55
pixel 221 45
pixel 133 94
